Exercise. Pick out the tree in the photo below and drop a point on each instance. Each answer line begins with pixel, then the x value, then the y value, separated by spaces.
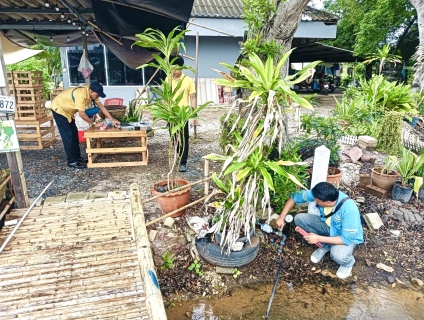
pixel 51 55
pixel 418 83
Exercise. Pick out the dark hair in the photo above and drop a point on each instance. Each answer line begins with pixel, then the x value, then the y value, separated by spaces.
pixel 325 191
pixel 179 61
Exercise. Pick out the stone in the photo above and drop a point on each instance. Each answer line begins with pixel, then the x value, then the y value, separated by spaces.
pixel 117 194
pixel 364 179
pixel 376 191
pixel 152 235
pixel 224 270
pixel 76 196
pixel 54 200
pixel 97 195
pixel 167 241
pixel 367 142
pixel 369 159
pixel 417 281
pixel 360 199
pixel 382 266
pixel 391 279
pixel 395 232
pixel 355 154
pixel 169 222
pixel 373 221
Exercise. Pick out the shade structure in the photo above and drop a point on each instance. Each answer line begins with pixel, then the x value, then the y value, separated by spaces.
pixel 14 53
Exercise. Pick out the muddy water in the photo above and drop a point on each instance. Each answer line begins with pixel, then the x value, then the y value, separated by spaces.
pixel 306 302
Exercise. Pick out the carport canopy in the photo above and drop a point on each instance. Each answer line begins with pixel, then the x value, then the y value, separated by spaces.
pixel 314 51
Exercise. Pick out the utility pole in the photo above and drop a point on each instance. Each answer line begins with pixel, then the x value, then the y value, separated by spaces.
pixel 14 159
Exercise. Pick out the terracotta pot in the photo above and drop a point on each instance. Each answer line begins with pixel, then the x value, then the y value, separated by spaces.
pixel 333 178
pixel 384 181
pixel 174 200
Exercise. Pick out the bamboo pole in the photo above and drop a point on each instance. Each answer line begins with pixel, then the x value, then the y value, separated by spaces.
pixel 23 218
pixel 154 301
pixel 196 80
pixel 175 211
pixel 216 30
pixel 105 33
pixel 206 173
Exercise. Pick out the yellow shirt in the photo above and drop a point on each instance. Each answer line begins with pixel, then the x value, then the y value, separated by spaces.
pixel 187 87
pixel 327 211
pixel 65 106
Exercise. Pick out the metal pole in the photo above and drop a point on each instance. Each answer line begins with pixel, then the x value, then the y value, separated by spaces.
pixel 274 288
pixel 23 218
pixel 196 79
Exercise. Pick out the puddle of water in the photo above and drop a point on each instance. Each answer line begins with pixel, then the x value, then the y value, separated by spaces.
pixel 306 302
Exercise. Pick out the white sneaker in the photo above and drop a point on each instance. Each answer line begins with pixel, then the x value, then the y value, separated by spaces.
pixel 318 254
pixel 344 272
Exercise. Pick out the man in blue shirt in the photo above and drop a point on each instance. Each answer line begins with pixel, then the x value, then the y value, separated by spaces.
pixel 339 231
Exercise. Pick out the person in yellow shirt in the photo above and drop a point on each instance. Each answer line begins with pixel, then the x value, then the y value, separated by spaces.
pixel 65 106
pixel 189 99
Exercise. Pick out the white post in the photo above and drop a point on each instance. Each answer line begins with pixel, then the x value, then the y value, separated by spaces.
pixel 319 171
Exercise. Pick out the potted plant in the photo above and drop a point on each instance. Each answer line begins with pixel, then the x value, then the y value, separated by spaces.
pixel 408 166
pixel 247 167
pixel 385 176
pixel 419 182
pixel 166 108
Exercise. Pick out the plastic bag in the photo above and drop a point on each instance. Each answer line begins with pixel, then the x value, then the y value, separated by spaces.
pixel 85 66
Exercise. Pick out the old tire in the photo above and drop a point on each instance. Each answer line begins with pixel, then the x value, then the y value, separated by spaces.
pixel 211 253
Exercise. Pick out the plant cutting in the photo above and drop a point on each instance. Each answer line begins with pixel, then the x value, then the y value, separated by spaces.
pixel 169 107
pixel 244 179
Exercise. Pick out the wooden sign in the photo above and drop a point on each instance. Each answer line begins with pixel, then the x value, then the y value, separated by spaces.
pixel 7 104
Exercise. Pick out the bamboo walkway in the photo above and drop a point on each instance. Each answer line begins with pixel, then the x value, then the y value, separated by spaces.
pixel 76 260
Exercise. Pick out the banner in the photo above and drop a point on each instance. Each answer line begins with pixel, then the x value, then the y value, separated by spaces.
pixel 8 136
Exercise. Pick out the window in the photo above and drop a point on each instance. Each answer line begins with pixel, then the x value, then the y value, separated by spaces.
pixel 96 58
pixel 120 74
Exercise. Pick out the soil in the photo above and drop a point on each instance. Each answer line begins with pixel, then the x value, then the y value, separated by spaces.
pixel 398 244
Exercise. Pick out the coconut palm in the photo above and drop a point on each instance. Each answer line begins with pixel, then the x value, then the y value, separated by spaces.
pixel 383 55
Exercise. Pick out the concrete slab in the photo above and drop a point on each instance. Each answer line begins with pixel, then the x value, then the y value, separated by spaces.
pixel 97 195
pixel 117 194
pixel 52 200
pixel 373 221
pixel 224 270
pixel 76 196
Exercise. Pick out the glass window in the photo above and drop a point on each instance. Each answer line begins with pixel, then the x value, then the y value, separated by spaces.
pixel 120 74
pixel 96 58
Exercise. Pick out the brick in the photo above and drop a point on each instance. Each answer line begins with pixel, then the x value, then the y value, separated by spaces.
pixel 364 179
pixel 376 191
pixel 367 142
pixel 373 221
pixel 355 154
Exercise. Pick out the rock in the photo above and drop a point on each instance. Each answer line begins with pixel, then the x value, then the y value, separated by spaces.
pixel 167 240
pixel 355 154
pixel 391 279
pixel 395 232
pixel 417 282
pixel 169 222
pixel 369 159
pixel 367 142
pixel 152 235
pixel 398 203
pixel 360 199
pixel 384 267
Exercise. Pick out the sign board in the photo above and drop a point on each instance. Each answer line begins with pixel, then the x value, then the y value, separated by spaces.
pixel 7 104
pixel 8 136
pixel 2 78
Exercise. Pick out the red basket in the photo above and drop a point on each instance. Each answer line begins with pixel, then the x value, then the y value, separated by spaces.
pixel 114 101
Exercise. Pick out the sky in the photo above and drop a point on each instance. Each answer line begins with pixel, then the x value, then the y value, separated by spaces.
pixel 317 3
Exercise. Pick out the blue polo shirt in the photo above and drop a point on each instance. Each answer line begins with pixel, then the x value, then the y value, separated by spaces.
pixel 345 223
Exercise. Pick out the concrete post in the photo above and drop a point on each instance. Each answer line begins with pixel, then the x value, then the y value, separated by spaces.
pixel 319 171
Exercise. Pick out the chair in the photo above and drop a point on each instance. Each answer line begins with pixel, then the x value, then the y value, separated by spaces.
pixel 114 102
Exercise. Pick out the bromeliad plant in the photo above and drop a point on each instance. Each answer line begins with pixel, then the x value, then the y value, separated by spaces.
pixel 408 166
pixel 166 106
pixel 244 179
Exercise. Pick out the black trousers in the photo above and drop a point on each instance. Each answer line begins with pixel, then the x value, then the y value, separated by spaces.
pixel 183 149
pixel 69 134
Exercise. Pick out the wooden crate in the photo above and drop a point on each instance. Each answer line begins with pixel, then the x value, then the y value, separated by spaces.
pixel 28 95
pixel 36 134
pixel 25 79
pixel 30 111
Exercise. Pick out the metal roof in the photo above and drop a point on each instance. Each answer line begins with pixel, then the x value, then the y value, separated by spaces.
pixel 234 9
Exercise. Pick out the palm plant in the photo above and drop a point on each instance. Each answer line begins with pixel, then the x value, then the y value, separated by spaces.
pixel 166 107
pixel 382 55
pixel 244 178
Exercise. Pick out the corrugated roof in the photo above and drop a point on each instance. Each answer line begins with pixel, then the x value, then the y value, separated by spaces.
pixel 234 9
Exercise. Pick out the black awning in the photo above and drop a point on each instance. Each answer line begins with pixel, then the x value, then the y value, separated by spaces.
pixel 314 51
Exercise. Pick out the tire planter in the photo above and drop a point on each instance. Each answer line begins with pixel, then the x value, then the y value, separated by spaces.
pixel 384 181
pixel 211 253
pixel 218 236
pixel 172 201
pixel 401 193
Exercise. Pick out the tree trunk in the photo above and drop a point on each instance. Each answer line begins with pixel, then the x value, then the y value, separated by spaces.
pixel 418 82
pixel 282 25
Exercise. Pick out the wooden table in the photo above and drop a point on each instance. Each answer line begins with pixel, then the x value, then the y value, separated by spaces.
pixel 110 134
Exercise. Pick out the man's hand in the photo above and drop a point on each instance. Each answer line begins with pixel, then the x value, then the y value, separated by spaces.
pixel 115 122
pixel 312 238
pixel 280 222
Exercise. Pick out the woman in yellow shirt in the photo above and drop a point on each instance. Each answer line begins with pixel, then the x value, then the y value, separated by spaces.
pixel 65 106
